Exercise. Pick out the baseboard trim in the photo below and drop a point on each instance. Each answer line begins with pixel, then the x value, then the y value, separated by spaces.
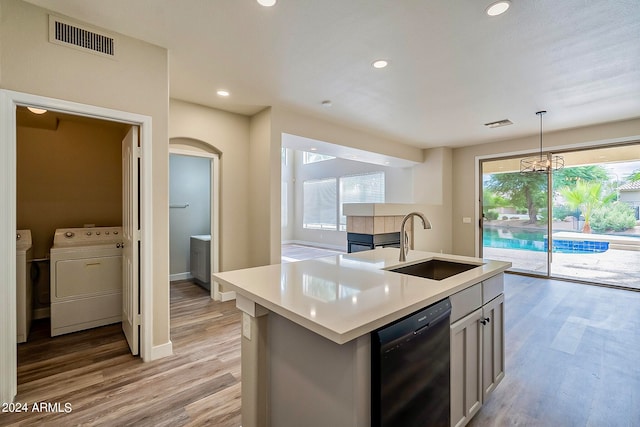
pixel 317 245
pixel 180 276
pixel 227 296
pixel 160 351
pixel 216 295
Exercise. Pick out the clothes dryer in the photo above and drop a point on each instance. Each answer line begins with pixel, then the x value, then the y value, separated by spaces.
pixel 86 278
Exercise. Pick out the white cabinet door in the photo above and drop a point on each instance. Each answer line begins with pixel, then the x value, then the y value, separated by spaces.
pixel 493 345
pixel 466 368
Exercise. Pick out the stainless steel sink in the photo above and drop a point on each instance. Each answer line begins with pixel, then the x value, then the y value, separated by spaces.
pixel 435 269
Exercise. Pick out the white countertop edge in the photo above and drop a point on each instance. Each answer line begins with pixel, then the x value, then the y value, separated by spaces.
pixel 457 283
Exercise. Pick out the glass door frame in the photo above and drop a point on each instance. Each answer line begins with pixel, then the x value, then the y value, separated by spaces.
pixel 549 184
pixel 481 160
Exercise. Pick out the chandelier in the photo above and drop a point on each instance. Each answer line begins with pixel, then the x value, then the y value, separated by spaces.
pixel 541 163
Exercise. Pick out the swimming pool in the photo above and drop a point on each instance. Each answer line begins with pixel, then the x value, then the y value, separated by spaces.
pixel 535 240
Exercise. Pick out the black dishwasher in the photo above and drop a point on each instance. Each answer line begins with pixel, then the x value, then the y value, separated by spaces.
pixel 410 370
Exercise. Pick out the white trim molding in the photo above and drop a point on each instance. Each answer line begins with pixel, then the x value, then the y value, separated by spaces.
pixel 9 101
pixel 215 213
pixel 160 351
pixel 8 339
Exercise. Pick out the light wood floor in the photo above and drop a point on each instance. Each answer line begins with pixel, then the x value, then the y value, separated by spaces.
pixel 573 359
pixel 106 386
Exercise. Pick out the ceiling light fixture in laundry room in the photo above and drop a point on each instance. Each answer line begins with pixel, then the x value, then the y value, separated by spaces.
pixel 498 8
pixel 266 3
pixel 35 110
pixel 223 93
pixel 380 63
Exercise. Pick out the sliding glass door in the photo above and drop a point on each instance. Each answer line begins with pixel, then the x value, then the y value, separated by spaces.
pixel 586 228
pixel 514 212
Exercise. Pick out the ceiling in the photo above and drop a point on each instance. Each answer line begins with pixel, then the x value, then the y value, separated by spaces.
pixel 451 67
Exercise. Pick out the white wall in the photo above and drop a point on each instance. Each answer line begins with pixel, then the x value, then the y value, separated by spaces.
pixel 398 189
pixel 288 195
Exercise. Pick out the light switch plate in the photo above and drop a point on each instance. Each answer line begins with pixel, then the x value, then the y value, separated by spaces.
pixel 466 220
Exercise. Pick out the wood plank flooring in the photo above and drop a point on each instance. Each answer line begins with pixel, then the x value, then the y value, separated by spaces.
pixel 106 386
pixel 572 359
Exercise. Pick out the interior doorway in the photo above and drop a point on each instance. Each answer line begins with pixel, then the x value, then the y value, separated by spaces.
pixel 194 182
pixel 9 103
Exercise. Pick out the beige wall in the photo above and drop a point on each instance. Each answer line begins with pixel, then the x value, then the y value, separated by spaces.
pixel 432 183
pixel 264 176
pixel 68 177
pixel 137 82
pixel 465 184
pixel 227 134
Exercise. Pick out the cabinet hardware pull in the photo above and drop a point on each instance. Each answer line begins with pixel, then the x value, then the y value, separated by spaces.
pixel 485 320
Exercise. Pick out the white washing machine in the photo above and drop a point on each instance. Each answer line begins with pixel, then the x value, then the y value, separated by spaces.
pixel 24 286
pixel 86 278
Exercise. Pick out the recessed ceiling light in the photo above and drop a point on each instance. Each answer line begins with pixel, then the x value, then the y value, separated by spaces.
pixel 498 8
pixel 223 92
pixel 266 3
pixel 380 63
pixel 36 110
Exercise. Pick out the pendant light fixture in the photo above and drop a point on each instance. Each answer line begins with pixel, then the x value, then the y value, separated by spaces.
pixel 542 163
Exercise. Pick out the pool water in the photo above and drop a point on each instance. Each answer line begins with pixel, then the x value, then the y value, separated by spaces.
pixel 535 240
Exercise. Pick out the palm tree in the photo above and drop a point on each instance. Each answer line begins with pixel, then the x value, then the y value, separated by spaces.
pixel 584 196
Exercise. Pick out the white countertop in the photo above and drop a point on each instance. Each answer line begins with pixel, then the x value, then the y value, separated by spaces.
pixel 345 296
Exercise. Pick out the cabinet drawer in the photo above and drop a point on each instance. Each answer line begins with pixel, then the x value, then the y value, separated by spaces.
pixel 492 287
pixel 465 301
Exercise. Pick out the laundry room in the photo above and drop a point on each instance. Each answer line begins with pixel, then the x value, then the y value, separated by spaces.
pixel 69 176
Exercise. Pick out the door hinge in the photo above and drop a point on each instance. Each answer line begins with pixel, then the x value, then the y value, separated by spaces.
pixel 138 319
pixel 139 152
pixel 138 235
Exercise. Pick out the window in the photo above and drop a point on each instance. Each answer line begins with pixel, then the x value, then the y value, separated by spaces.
pixel 314 157
pixel 365 188
pixel 284 213
pixel 320 210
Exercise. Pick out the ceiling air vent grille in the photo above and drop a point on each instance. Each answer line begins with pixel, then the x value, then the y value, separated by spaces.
pixel 70 34
pixel 499 123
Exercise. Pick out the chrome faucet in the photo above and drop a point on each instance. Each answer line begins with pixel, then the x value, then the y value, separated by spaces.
pixel 404 238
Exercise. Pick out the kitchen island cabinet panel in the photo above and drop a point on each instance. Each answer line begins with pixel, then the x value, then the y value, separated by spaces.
pixel 466 368
pixel 493 345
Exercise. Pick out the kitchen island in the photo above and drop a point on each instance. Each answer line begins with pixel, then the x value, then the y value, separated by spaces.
pixel 306 330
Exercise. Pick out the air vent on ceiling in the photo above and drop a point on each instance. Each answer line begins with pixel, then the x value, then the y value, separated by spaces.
pixel 83 37
pixel 499 123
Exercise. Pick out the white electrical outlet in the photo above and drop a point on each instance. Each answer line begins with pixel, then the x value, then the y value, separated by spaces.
pixel 466 220
pixel 246 326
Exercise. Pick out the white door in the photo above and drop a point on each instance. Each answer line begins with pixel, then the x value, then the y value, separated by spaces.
pixel 130 228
